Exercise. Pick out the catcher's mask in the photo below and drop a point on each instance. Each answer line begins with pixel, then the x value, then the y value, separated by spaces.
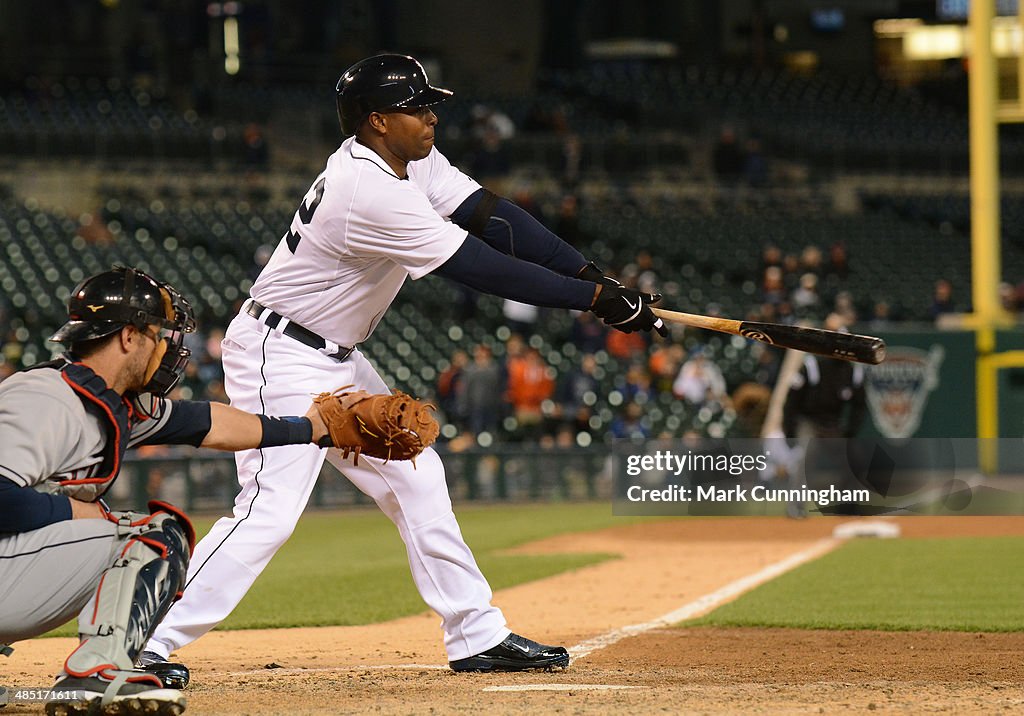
pixel 107 302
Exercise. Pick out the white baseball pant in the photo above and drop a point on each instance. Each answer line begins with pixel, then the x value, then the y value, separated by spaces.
pixel 271 373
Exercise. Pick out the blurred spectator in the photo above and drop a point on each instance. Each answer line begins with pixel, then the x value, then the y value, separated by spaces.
pixel 845 307
pixel 491 161
pixel 630 423
pixel 6 370
pixel 811 260
pixel 572 159
pixel 1008 297
pixel 257 154
pixel 699 380
pixel 525 200
pixel 785 314
pixel 727 157
pixel 1018 300
pixel 538 118
pixel 190 387
pixel 486 122
pixel 589 334
pixel 838 261
pixel 805 298
pixel 769 362
pixel 465 303
pixel 567 225
pixel 750 401
pixel 641 274
pixel 637 385
pixel 481 391
pixel 260 258
pixel 755 164
pixel 881 317
pixel 13 348
pixel 215 392
pixel 771 255
pixel 625 346
pixel 577 391
pixel 520 317
pixel 942 299
pixel 790 269
pixel 209 360
pixel 94 230
pixel 664 365
pixel 773 289
pixel 450 388
pixel 530 383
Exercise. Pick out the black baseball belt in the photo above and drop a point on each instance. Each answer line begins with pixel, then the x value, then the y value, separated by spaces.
pixel 295 331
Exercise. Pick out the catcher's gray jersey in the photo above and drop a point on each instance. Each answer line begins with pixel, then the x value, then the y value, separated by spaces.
pixel 47 437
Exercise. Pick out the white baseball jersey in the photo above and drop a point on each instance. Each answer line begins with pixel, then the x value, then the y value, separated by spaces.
pixel 359 232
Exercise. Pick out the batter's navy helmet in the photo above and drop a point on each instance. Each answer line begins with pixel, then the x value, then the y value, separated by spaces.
pixel 380 83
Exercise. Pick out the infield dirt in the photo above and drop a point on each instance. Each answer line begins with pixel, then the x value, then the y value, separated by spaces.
pixel 398 666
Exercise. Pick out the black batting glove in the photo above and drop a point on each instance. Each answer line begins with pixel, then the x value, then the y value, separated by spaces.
pixel 626 309
pixel 591 272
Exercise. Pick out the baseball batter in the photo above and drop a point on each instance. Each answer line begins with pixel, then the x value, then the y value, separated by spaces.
pixel 387 206
pixel 64 429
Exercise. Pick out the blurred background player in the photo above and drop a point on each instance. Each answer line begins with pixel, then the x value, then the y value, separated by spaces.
pixel 826 400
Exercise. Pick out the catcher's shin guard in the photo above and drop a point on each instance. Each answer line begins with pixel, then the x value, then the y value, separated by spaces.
pixel 133 596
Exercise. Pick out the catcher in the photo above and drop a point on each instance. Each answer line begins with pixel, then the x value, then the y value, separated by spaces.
pixel 62 552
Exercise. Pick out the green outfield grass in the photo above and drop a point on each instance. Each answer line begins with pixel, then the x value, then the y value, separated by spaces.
pixel 350 567
pixel 963 584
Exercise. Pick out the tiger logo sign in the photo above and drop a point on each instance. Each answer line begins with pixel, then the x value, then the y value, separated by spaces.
pixel 897 389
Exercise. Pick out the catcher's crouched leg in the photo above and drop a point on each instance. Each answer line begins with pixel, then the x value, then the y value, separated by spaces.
pixel 133 596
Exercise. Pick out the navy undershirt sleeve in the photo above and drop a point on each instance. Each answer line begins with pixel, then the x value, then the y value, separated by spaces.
pixel 188 424
pixel 511 230
pixel 23 509
pixel 479 266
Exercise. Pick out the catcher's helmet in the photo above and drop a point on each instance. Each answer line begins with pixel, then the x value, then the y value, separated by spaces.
pixel 107 302
pixel 380 83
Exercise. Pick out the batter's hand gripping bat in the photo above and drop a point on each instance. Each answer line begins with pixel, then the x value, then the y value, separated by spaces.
pixel 845 346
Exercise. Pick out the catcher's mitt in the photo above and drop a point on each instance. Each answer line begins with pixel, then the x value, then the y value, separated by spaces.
pixel 391 427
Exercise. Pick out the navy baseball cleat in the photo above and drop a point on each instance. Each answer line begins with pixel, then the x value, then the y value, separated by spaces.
pixel 94 695
pixel 173 675
pixel 516 653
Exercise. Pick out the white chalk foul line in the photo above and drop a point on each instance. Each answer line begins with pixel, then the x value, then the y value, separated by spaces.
pixel 704 604
pixel 695 608
pixel 336 669
pixel 561 687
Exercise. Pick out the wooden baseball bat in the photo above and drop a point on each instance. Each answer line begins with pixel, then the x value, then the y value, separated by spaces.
pixel 845 346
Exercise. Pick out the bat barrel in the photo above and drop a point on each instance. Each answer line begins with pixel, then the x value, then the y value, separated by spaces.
pixel 844 346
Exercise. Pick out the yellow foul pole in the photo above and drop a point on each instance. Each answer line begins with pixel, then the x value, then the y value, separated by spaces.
pixel 985 231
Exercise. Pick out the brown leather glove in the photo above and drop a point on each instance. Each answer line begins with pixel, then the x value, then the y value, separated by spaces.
pixel 391 427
